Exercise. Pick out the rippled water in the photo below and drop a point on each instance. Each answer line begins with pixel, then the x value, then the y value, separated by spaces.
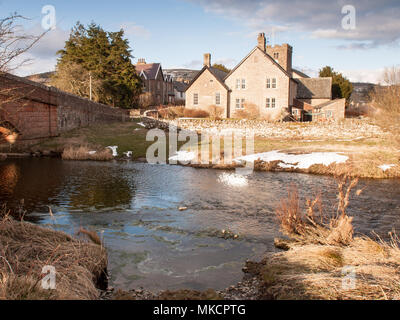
pixel 153 244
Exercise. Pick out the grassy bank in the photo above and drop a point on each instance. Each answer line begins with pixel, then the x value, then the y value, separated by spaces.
pixel 366 154
pixel 26 248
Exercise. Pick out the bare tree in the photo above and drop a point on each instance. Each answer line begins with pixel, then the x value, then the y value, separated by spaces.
pixel 386 100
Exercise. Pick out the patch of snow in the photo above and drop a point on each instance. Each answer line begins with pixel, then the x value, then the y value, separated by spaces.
pixel 300 161
pixel 92 152
pixel 183 156
pixel 142 124
pixel 114 150
pixel 233 180
pixel 386 167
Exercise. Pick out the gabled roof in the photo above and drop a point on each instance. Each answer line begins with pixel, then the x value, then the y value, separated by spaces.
pixel 150 70
pixel 314 88
pixel 265 54
pixel 217 73
pixel 180 86
pixel 301 74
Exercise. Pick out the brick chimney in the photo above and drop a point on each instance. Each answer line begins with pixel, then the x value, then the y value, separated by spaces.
pixel 261 41
pixel 207 60
pixel 141 61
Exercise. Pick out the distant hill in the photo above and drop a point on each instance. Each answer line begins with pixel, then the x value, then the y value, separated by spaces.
pixel 182 75
pixel 43 78
pixel 361 92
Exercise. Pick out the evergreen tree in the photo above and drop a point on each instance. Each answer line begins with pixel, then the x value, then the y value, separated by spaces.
pixel 341 87
pixel 221 67
pixel 106 56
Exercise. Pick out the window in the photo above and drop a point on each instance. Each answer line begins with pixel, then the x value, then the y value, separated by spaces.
pixel 238 84
pixel 217 98
pixel 237 103
pixel 329 114
pixel 240 103
pixel 243 83
pixel 196 99
pixel 271 83
pixel 181 94
pixel 276 55
pixel 270 102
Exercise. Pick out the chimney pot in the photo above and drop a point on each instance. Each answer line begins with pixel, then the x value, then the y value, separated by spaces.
pixel 207 60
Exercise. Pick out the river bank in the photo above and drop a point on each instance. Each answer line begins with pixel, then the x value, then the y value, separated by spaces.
pixel 370 151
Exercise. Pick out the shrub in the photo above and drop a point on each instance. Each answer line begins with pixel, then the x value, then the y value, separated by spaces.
pixel 250 111
pixel 195 113
pixel 215 112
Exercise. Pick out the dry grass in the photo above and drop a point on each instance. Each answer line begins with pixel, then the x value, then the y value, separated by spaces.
pixel 25 249
pixel 314 225
pixel 317 272
pixel 317 263
pixel 83 153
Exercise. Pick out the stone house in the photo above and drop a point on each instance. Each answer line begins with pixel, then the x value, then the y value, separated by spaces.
pixel 266 80
pixel 157 88
pixel 179 90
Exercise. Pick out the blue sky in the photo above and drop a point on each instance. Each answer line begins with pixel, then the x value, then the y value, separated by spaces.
pixel 178 32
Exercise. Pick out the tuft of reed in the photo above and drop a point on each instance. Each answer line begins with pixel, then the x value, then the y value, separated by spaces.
pixel 83 153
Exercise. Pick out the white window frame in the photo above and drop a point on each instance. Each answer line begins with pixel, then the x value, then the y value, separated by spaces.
pixel 268 83
pixel 243 84
pixel 273 103
pixel 217 98
pixel 195 99
pixel 268 103
pixel 274 83
pixel 238 84
pixel 242 102
pixel 237 105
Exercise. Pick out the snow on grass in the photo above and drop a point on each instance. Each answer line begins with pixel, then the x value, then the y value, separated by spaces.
pixel 183 156
pixel 233 180
pixel 299 161
pixel 114 150
pixel 142 124
pixel 386 167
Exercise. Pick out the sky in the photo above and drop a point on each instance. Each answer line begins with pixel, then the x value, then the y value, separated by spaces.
pixel 359 41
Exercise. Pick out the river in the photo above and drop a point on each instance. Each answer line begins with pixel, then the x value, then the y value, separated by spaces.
pixel 151 244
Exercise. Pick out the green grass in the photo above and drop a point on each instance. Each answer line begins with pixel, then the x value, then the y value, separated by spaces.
pixel 128 136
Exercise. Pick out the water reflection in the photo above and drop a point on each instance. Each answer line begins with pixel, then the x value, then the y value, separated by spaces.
pixel 154 245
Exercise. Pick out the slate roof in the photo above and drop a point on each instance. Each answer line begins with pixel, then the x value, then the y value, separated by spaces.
pixel 149 69
pixel 217 73
pixel 180 86
pixel 314 88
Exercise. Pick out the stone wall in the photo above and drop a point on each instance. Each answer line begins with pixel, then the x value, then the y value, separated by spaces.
pixel 38 111
pixel 345 130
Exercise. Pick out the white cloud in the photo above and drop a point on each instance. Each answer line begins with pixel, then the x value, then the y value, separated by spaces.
pixel 377 22
pixel 363 75
pixel 132 29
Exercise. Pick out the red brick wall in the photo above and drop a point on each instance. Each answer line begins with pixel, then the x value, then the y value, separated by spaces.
pixel 38 111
